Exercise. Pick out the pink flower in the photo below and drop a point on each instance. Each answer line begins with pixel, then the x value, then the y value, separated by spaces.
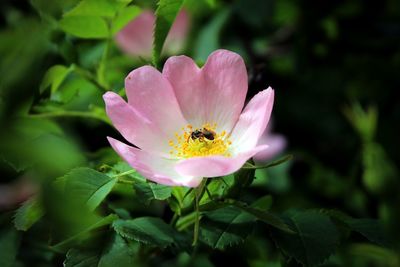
pixel 13 194
pixel 136 38
pixel 276 144
pixel 187 122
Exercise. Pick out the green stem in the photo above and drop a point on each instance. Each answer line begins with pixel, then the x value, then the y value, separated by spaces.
pixel 101 70
pixel 199 192
pixel 65 113
pixel 185 221
pixel 123 181
pixel 124 173
pixel 90 77
pixel 209 194
pixel 250 166
pixel 174 219
pixel 196 222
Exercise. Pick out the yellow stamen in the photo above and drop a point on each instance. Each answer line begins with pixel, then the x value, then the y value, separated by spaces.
pixel 187 145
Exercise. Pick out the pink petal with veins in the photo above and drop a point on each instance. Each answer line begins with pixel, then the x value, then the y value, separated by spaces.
pixel 214 93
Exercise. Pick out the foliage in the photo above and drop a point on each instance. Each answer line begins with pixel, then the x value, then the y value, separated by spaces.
pixel 315 240
pixel 29 213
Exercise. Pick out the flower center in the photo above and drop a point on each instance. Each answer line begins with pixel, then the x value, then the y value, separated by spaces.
pixel 204 141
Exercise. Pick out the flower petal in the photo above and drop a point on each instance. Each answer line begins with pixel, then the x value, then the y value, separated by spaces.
pixel 153 167
pixel 134 126
pixel 276 144
pixel 136 37
pixel 177 35
pixel 214 166
pixel 213 94
pixel 151 94
pixel 252 122
pixel 186 80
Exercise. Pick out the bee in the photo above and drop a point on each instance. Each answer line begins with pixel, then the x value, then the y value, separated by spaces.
pixel 203 133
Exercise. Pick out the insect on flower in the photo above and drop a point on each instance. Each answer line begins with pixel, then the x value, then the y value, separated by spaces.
pixel 203 133
pixel 188 122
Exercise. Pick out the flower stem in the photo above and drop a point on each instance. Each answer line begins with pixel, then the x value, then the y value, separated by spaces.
pixel 124 173
pixel 185 221
pixel 124 181
pixel 196 223
pixel 90 77
pixel 198 194
pixel 174 219
pixel 102 67
pixel 65 113
pixel 269 165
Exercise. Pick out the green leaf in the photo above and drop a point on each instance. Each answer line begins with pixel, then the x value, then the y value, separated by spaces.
pixel 199 8
pixel 79 92
pixel 116 253
pixel 9 243
pixel 258 210
pixel 267 218
pixel 81 258
pixel 263 203
pixel 85 26
pixel 214 205
pixel 28 40
pixel 375 253
pixel 18 153
pixel 229 225
pixel 379 171
pixel 94 18
pixel 88 186
pixel 218 188
pixel 97 8
pixel 315 240
pixel 225 227
pixel 363 121
pixel 31 128
pixel 149 191
pixel 147 230
pixel 181 200
pixel 124 17
pixel 371 229
pixel 54 77
pixel 241 179
pixel 208 38
pixel 166 13
pixel 49 10
pixel 54 152
pixel 28 214
pixel 85 232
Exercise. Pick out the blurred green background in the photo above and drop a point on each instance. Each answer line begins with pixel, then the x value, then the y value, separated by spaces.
pixel 334 66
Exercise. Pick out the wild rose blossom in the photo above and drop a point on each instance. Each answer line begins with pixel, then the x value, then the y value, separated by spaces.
pixel 136 38
pixel 187 122
pixel 276 144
